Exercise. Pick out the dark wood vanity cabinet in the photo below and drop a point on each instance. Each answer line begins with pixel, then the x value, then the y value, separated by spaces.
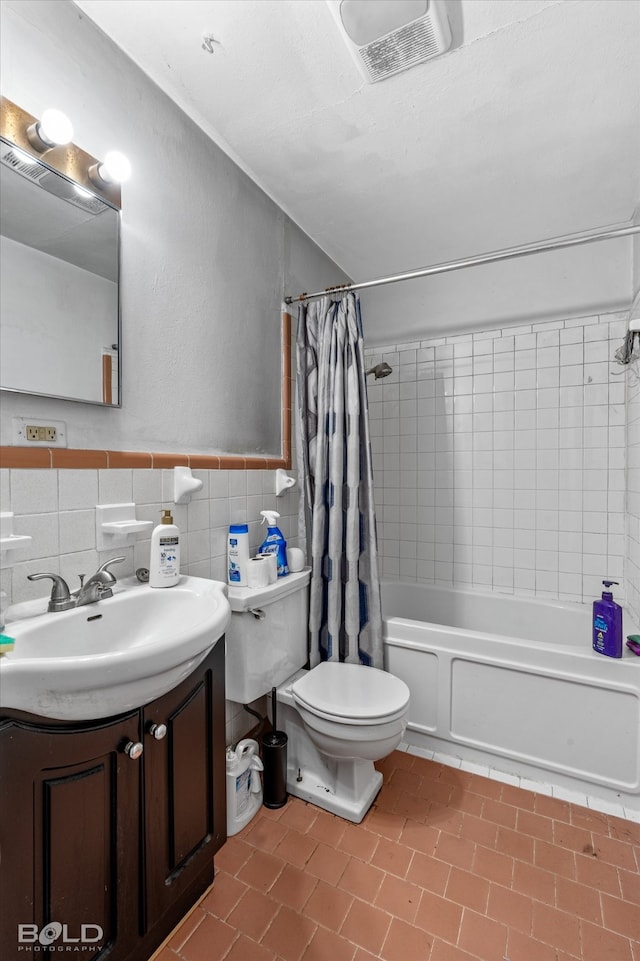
pixel 92 835
pixel 69 833
pixel 185 788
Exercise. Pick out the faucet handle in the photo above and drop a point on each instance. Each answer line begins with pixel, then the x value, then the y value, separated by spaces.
pixel 60 599
pixel 104 568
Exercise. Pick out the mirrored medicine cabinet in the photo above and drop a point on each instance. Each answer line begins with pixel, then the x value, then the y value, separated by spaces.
pixel 59 266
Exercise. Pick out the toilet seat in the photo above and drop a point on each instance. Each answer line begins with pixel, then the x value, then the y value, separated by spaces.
pixel 351 694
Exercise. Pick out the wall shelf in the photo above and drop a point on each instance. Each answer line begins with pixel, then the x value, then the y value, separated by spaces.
pixel 8 540
pixel 126 527
pixel 117 525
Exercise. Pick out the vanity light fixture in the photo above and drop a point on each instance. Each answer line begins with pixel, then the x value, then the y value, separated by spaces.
pixel 114 169
pixel 26 140
pixel 54 129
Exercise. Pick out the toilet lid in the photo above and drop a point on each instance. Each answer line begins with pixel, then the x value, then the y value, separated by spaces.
pixel 351 691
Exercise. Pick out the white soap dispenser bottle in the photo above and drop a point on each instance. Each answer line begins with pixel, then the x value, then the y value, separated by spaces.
pixel 164 557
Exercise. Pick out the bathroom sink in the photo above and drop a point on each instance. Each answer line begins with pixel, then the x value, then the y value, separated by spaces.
pixel 112 656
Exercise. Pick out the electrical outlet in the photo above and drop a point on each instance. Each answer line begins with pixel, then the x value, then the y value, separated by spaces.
pixel 41 433
pixel 28 432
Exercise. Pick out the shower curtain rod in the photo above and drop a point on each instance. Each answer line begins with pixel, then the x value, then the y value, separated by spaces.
pixel 557 243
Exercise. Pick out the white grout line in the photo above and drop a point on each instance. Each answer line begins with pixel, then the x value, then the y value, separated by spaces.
pixel 537 787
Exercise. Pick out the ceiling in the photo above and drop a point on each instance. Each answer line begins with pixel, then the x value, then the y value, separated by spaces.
pixel 528 128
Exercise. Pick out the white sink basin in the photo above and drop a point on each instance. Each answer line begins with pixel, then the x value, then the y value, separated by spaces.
pixel 118 654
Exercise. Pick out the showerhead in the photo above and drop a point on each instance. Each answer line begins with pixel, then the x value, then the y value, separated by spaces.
pixel 380 370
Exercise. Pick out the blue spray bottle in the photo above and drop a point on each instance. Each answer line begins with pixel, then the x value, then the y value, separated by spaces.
pixel 274 542
pixel 607 624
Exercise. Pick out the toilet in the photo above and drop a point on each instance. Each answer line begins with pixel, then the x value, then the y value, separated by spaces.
pixel 339 718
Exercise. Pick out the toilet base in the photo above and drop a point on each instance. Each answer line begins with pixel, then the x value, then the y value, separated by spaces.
pixel 344 786
pixel 331 793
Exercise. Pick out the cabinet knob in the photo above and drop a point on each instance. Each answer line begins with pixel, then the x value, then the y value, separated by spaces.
pixel 133 749
pixel 159 731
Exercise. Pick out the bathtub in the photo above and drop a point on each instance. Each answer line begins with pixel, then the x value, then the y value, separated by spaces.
pixel 512 683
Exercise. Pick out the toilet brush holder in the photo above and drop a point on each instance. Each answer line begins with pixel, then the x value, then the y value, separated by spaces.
pixel 274 759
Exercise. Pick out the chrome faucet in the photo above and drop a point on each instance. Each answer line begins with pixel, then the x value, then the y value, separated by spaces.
pixel 97 588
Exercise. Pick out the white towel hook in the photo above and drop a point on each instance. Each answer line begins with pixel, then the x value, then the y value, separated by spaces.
pixel 184 485
pixel 283 482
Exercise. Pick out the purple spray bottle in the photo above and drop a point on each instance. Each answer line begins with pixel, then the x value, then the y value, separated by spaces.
pixel 607 624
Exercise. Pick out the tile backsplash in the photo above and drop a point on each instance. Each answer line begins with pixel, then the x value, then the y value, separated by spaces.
pixel 57 509
pixel 499 458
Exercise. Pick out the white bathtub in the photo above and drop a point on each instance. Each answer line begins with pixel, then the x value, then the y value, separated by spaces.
pixel 512 683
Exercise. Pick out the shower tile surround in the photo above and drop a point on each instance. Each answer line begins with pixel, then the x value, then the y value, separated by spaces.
pixel 499 459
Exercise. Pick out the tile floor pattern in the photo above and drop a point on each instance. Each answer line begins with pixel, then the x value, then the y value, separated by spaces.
pixel 446 866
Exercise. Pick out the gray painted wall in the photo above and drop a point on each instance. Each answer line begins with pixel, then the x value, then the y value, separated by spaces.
pixel 206 255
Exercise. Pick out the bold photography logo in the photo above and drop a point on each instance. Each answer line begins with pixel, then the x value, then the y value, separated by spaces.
pixel 57 937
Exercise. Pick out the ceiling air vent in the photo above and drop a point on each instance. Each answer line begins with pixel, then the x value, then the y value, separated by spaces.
pixel 386 37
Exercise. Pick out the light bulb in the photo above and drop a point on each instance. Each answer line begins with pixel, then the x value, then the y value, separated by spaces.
pixel 115 168
pixel 52 130
pixel 55 128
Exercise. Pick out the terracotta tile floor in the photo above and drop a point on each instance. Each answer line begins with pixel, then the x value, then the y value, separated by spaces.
pixel 446 866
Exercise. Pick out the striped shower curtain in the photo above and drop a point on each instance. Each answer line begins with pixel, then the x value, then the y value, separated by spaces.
pixel 337 519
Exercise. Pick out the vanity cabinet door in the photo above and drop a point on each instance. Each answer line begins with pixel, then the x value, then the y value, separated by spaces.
pixel 69 838
pixel 184 785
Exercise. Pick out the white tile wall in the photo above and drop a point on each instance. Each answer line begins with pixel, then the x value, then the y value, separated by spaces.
pixel 499 458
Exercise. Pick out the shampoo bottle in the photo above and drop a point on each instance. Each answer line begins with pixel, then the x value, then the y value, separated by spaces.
pixel 274 542
pixel 238 555
pixel 164 557
pixel 607 624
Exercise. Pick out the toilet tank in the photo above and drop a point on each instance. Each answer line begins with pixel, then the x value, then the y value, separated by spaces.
pixel 267 636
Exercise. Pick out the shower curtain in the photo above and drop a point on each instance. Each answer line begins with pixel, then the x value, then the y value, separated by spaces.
pixel 337 516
